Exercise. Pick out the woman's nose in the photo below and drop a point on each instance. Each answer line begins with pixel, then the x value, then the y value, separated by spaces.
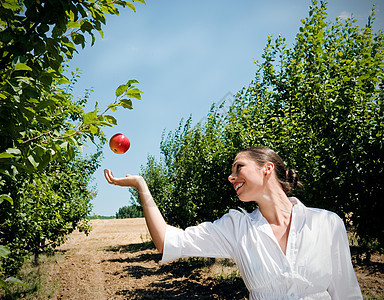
pixel 231 178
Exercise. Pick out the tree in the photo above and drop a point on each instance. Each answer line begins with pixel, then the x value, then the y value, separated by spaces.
pixel 132 211
pixel 42 128
pixel 47 207
pixel 36 39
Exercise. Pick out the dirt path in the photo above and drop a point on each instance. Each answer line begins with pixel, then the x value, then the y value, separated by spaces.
pixel 117 261
pixel 87 259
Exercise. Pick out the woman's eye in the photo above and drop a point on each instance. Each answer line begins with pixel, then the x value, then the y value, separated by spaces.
pixel 238 167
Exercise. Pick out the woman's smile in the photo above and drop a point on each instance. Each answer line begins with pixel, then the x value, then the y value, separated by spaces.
pixel 238 185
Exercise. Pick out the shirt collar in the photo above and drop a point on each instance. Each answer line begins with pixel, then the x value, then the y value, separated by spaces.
pixel 259 221
pixel 295 201
pixel 298 214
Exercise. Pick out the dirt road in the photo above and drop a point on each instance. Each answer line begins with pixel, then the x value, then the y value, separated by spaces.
pixel 89 270
pixel 117 261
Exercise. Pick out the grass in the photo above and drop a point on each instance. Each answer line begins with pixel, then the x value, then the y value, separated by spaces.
pixel 36 279
pixel 223 270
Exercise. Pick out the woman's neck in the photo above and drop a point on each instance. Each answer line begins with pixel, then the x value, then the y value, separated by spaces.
pixel 276 208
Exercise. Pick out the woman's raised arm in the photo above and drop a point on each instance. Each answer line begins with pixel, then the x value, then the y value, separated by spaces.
pixel 155 221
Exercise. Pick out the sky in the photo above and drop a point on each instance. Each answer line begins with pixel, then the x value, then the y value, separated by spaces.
pixel 186 56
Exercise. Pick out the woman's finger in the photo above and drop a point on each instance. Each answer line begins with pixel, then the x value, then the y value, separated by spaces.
pixel 108 175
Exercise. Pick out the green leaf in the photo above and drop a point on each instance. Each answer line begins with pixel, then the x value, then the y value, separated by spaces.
pixel 45 104
pixel 15 280
pixel 44 120
pixel 10 4
pixel 93 129
pixel 90 117
pixel 134 93
pixel 93 39
pixel 46 78
pixel 110 119
pixel 33 162
pixel 140 1
pixel 121 89
pixel 5 155
pixel 78 39
pixel 73 24
pixel 126 103
pixel 3 284
pixel 7 198
pixel 70 132
pixel 4 251
pixel 13 151
pixel 22 67
pixel 63 80
pixel 112 106
pixel 71 151
pixel 131 6
pixel 64 145
pixel 130 82
pixel 86 26
pixel 66 42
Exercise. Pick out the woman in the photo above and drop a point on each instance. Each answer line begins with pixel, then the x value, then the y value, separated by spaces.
pixel 283 249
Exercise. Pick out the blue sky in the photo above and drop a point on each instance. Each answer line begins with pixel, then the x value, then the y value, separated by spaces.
pixel 186 55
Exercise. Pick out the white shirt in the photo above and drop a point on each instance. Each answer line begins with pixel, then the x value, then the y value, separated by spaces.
pixel 317 264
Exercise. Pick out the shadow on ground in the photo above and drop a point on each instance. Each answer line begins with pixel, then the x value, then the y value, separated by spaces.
pixel 371 266
pixel 182 279
pixel 132 248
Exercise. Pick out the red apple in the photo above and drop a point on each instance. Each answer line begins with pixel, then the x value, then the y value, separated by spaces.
pixel 119 143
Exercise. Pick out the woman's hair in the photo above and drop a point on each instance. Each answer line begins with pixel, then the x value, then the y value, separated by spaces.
pixel 288 179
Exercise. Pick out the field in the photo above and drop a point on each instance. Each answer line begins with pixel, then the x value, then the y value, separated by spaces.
pixel 117 261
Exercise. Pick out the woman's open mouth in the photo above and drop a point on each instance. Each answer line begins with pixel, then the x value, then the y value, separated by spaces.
pixel 237 185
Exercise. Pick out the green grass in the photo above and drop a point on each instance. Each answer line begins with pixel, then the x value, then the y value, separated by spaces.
pixel 36 277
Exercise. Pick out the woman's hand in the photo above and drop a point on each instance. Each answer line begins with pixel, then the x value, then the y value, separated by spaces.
pixel 128 180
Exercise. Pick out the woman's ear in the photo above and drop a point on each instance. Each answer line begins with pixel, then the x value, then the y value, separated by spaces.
pixel 268 168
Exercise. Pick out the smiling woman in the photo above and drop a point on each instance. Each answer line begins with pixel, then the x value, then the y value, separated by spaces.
pixel 283 249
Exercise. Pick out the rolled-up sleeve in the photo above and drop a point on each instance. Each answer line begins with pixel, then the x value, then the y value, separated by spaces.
pixel 204 240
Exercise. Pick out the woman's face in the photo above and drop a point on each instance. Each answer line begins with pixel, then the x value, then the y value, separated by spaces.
pixel 247 178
